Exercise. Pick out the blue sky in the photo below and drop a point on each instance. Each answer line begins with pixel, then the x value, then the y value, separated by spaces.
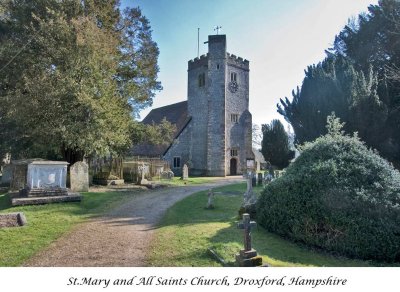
pixel 279 37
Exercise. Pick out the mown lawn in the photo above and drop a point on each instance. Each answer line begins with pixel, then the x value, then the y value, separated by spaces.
pixel 188 230
pixel 48 222
pixel 177 181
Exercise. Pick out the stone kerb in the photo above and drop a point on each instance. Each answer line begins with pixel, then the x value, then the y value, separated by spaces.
pixel 79 177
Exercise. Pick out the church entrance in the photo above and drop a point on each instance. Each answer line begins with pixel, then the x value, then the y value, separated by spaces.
pixel 233 167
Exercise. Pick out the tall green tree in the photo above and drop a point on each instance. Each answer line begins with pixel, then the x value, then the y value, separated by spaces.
pixel 73 73
pixel 374 40
pixel 275 144
pixel 357 81
pixel 335 86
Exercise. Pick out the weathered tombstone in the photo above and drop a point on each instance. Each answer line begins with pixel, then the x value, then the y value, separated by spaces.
pixel 167 175
pixel 259 179
pixel 143 170
pixel 7 175
pixel 159 169
pixel 253 180
pixel 210 202
pixel 249 196
pixel 247 256
pixel 185 172
pixel 79 177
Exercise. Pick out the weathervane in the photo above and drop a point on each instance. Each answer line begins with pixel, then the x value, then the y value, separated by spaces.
pixel 217 28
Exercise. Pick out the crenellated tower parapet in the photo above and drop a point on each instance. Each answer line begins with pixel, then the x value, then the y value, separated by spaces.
pixel 198 62
pixel 238 62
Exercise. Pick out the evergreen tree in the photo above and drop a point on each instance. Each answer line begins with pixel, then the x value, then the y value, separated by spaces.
pixel 357 81
pixel 375 40
pixel 73 73
pixel 275 144
pixel 335 86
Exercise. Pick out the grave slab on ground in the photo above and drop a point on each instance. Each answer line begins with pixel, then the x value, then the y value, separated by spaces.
pixel 12 220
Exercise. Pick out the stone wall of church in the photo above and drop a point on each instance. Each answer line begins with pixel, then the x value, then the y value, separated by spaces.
pixel 180 148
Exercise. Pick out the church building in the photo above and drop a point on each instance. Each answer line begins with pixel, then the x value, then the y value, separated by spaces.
pixel 213 127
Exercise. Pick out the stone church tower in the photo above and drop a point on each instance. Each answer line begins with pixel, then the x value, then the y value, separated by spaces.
pixel 214 125
pixel 218 102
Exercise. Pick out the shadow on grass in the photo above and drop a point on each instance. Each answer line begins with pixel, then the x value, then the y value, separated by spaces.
pixel 227 240
pixel 92 204
pixel 277 251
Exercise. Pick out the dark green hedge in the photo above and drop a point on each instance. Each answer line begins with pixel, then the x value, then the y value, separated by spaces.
pixel 340 196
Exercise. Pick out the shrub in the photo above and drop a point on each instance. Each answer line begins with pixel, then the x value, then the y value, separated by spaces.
pixel 337 195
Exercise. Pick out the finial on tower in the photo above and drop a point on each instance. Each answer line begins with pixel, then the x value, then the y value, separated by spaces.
pixel 217 28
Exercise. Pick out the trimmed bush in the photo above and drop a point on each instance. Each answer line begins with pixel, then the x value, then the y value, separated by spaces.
pixel 338 195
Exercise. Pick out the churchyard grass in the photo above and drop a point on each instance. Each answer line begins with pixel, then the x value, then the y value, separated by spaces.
pixel 177 181
pixel 48 222
pixel 188 230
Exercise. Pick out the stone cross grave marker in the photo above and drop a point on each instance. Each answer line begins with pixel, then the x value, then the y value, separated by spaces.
pixel 247 256
pixel 79 177
pixel 246 225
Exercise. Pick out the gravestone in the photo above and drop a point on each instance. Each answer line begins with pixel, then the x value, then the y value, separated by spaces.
pixel 7 175
pixel 247 256
pixel 167 175
pixel 185 172
pixel 143 170
pixel 253 180
pixel 79 177
pixel 159 169
pixel 259 179
pixel 249 197
pixel 210 201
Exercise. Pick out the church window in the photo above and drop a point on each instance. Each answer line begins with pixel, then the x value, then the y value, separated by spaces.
pixel 234 152
pixel 217 66
pixel 234 118
pixel 202 79
pixel 233 76
pixel 177 162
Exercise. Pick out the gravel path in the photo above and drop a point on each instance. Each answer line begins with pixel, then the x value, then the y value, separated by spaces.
pixel 121 237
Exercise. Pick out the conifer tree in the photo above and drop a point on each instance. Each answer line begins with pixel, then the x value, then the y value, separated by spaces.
pixel 275 144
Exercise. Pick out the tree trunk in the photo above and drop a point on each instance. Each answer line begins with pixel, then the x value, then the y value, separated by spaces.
pixel 72 155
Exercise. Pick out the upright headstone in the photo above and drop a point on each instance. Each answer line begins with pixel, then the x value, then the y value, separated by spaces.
pixel 249 197
pixel 259 179
pixel 79 177
pixel 185 172
pixel 253 179
pixel 7 175
pixel 144 169
pixel 210 202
